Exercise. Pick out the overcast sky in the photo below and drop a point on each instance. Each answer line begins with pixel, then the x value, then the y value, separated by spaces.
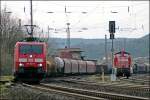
pixel 132 17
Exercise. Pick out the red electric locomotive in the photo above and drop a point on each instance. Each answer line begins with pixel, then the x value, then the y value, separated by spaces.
pixel 30 60
pixel 122 61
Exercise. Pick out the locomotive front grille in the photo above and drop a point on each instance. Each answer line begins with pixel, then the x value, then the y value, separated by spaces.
pixel 30 70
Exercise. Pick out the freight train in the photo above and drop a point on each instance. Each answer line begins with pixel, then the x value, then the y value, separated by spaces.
pixel 32 63
pixel 30 60
pixel 141 68
pixel 65 66
pixel 123 63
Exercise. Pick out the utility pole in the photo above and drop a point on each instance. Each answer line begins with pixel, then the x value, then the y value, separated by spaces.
pixel 68 35
pixel 31 26
pixel 19 24
pixel 106 59
pixel 31 19
pixel 0 36
pixel 106 56
pixel 112 50
pixel 124 43
pixel 48 33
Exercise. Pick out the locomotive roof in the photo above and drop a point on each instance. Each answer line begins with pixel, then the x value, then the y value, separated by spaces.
pixel 34 42
pixel 31 39
pixel 121 52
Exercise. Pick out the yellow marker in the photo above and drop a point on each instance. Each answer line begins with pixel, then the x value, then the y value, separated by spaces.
pixel 103 75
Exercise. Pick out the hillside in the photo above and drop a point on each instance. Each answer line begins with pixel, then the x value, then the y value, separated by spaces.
pixel 95 48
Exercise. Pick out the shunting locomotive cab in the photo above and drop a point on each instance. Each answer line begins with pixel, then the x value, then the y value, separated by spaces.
pixel 122 61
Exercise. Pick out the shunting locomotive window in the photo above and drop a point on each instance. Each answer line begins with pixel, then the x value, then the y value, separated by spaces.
pixel 28 49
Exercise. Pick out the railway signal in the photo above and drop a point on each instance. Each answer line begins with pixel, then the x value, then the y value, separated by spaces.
pixel 112 36
pixel 112 31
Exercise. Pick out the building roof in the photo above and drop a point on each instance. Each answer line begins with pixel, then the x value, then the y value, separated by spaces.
pixel 71 49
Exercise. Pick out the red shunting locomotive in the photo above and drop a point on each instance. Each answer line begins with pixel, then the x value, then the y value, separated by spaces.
pixel 30 61
pixel 122 61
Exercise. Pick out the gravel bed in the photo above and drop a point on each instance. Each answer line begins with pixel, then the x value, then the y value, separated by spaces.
pixel 112 89
pixel 18 92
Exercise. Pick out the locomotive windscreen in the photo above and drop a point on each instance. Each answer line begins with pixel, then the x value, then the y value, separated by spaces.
pixel 29 49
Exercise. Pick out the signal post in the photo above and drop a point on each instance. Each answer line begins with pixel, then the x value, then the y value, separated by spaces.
pixel 112 31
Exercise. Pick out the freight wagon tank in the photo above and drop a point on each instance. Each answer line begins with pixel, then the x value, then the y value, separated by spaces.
pixel 59 66
pixel 122 61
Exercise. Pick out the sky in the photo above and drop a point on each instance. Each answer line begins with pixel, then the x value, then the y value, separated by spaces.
pixel 88 19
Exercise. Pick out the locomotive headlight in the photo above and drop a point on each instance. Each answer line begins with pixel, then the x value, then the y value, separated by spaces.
pixel 22 59
pixel 21 64
pixel 38 60
pixel 31 56
pixel 39 65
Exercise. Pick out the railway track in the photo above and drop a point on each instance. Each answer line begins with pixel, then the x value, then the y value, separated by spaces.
pixel 145 77
pixel 62 91
pixel 120 85
pixel 4 81
pixel 83 94
pixel 138 81
pixel 137 90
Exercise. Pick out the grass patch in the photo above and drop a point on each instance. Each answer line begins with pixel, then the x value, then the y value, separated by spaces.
pixel 3 91
pixel 6 78
pixel 2 87
pixel 98 78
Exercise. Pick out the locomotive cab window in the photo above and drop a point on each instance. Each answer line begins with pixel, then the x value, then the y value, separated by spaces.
pixel 28 49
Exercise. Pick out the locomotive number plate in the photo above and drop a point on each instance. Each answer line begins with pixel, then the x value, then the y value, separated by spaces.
pixel 30 60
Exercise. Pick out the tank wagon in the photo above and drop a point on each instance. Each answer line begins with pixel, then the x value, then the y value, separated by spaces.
pixel 70 61
pixel 64 66
pixel 122 62
pixel 30 60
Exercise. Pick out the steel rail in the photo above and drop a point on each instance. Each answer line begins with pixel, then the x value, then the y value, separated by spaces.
pixel 137 81
pixel 106 95
pixel 129 87
pixel 60 91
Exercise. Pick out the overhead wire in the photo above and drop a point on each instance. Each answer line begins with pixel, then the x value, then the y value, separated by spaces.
pixel 87 15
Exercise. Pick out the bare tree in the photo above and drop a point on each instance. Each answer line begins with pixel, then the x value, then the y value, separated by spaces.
pixel 10 33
